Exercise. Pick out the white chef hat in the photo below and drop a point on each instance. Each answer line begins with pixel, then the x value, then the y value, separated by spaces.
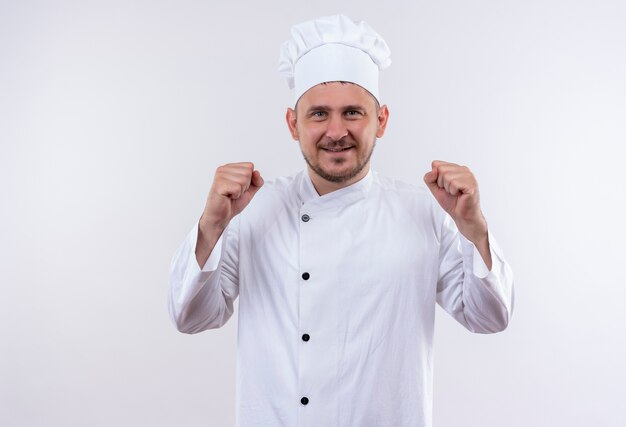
pixel 333 48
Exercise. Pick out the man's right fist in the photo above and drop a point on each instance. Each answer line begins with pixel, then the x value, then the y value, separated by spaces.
pixel 233 187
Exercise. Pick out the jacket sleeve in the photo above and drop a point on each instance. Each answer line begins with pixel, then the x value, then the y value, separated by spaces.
pixel 203 298
pixel 479 299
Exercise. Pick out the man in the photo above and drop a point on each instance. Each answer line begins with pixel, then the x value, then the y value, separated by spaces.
pixel 338 269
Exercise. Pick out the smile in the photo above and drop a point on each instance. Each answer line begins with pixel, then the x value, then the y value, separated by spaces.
pixel 337 149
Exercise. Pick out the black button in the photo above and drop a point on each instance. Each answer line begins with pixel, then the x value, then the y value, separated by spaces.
pixel 304 400
pixel 306 276
pixel 306 337
pixel 306 218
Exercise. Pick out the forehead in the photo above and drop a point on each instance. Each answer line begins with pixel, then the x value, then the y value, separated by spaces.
pixel 336 95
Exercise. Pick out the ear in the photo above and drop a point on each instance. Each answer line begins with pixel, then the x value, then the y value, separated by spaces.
pixel 292 123
pixel 383 117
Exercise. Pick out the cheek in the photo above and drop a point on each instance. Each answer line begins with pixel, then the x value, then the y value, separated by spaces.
pixel 361 131
pixel 311 133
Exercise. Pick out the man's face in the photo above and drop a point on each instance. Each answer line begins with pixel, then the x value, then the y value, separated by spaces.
pixel 337 125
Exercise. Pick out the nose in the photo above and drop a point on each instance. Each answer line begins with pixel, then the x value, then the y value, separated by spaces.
pixel 336 127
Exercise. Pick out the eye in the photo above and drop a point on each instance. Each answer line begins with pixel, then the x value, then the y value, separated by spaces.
pixel 353 113
pixel 318 114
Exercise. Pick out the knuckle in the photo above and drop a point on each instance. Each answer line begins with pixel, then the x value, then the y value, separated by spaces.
pixel 248 165
pixel 221 170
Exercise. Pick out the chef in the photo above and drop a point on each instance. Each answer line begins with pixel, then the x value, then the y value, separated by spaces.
pixel 338 269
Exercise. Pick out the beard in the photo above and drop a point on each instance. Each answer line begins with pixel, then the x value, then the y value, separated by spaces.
pixel 346 175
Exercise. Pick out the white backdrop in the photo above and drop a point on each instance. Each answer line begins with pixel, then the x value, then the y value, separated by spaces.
pixel 115 114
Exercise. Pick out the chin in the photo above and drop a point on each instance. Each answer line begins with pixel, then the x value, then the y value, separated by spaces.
pixel 340 176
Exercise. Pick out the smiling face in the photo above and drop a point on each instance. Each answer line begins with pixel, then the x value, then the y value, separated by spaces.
pixel 337 125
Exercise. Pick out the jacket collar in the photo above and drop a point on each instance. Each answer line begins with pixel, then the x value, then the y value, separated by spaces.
pixel 343 196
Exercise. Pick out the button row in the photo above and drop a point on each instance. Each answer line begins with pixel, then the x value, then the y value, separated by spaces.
pixel 305 337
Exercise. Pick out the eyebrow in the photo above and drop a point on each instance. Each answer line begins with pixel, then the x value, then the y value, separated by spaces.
pixel 354 107
pixel 327 108
pixel 317 108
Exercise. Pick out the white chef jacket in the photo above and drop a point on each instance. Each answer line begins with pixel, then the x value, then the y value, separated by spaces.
pixel 337 300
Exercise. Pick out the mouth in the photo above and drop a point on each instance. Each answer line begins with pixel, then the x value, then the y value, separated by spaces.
pixel 336 149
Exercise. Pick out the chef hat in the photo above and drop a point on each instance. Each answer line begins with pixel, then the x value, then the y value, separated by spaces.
pixel 333 48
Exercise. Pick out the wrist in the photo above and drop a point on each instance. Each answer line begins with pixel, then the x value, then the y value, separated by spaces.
pixel 209 232
pixel 207 224
pixel 475 231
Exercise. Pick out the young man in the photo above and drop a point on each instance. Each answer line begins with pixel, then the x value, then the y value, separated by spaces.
pixel 338 269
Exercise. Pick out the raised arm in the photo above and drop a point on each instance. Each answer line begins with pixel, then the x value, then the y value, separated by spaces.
pixel 475 282
pixel 204 272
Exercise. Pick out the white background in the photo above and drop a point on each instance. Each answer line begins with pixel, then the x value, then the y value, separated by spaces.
pixel 115 114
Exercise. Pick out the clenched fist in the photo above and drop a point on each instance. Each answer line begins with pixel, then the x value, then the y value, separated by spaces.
pixel 456 190
pixel 233 187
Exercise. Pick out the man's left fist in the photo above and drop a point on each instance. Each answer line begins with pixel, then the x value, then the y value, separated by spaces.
pixel 456 190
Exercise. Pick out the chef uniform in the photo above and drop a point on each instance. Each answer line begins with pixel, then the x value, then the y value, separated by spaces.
pixel 337 292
